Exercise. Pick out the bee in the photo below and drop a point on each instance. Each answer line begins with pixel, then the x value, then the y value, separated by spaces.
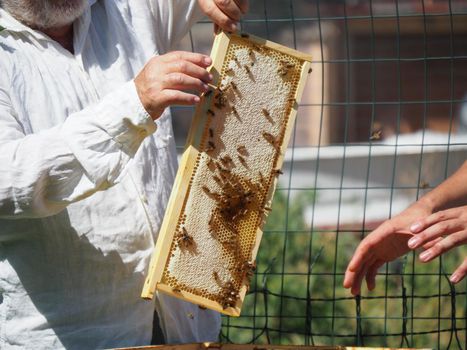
pixel 242 150
pixel 221 100
pixel 310 70
pixel 184 239
pixel 226 160
pixel 235 112
pixel 243 161
pixel 210 111
pixel 376 135
pixel 176 290
pixel 218 180
pixel 210 163
pixel 283 71
pixel 278 172
pixel 190 316
pixel 250 268
pixel 202 307
pixel 234 86
pixel 229 70
pixel 206 190
pixel 211 133
pixel 211 147
pixel 245 35
pixel 270 138
pixel 261 178
pixel 207 93
pixel 247 69
pixel 424 185
pixel 215 274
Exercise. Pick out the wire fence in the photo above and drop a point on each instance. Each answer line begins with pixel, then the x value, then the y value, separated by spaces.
pixel 383 120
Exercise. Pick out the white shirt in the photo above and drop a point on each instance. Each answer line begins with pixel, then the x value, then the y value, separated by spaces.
pixel 84 181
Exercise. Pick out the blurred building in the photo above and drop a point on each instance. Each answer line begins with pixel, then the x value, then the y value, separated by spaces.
pixel 376 125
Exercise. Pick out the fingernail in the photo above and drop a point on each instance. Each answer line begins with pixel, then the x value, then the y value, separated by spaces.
pixel 233 27
pixel 425 256
pixel 413 242
pixel 207 60
pixel 455 277
pixel 205 87
pixel 210 77
pixel 196 99
pixel 415 227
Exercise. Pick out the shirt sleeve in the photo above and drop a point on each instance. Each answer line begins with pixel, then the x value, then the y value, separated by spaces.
pixel 41 173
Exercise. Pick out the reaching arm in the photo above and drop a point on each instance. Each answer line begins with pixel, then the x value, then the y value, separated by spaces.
pixel 391 239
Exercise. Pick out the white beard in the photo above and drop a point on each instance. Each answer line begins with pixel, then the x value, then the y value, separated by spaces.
pixel 44 14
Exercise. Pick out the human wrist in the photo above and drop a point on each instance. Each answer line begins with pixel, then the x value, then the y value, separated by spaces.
pixel 428 203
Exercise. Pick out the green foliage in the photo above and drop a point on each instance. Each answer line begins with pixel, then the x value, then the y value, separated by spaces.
pixel 297 296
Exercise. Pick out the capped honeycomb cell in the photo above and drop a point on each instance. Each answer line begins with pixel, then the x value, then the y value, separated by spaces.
pixel 228 173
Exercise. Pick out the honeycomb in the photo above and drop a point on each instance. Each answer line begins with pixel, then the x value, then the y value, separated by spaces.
pixel 238 160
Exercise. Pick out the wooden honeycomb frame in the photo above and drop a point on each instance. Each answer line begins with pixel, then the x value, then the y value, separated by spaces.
pixel 228 173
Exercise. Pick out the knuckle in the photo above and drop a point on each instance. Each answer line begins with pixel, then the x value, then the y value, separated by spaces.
pixel 222 3
pixel 182 66
pixel 441 215
pixel 177 78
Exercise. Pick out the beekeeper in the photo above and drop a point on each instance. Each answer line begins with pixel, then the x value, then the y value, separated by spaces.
pixel 87 160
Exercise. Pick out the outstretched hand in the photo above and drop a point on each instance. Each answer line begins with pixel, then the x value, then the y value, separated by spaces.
pixel 439 233
pixel 224 13
pixel 386 243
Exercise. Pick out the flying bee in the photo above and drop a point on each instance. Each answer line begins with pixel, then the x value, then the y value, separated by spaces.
pixel 184 239
pixel 424 185
pixel 376 135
